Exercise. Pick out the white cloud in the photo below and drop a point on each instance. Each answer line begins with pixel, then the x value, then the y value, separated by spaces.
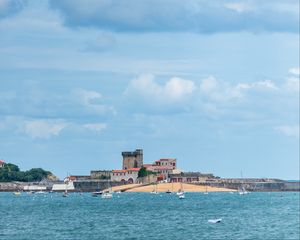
pixel 178 88
pixel 238 7
pixel 209 84
pixel 92 101
pixel 174 90
pixel 98 127
pixel 295 71
pixel 292 84
pixel 220 91
pixel 43 128
pixel 289 130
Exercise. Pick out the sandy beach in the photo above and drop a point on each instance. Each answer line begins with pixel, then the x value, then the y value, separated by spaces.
pixel 163 187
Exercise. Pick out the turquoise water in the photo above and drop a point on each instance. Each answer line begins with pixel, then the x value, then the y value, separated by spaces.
pixel 147 216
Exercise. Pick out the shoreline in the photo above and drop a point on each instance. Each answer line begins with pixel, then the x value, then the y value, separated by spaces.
pixel 86 186
pixel 173 187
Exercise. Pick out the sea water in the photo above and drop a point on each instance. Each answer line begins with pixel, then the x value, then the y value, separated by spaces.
pixel 149 216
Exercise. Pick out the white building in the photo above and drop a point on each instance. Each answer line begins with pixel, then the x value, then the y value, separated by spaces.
pixel 126 176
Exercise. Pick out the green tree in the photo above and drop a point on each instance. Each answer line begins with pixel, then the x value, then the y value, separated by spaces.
pixel 142 172
pixel 11 167
pixel 11 172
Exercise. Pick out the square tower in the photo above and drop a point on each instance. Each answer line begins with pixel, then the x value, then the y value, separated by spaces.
pixel 133 159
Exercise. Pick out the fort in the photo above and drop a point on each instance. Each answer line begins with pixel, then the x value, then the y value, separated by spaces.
pixel 163 170
pixel 132 159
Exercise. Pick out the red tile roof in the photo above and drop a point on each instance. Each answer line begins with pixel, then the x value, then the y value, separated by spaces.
pixel 1 162
pixel 133 169
pixel 118 171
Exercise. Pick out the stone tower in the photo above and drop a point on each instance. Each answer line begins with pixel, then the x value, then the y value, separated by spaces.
pixel 133 159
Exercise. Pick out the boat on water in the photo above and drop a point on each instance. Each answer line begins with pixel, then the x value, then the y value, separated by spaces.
pixel 17 193
pixel 168 191
pixel 66 194
pixel 180 191
pixel 243 191
pixel 97 193
pixel 154 191
pixel 182 196
pixel 206 192
pixel 107 194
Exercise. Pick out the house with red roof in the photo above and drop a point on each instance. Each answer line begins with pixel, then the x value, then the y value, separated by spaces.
pixel 163 167
pixel 2 163
pixel 129 175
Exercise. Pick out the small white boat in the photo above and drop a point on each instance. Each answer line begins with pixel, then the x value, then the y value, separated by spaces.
pixel 182 196
pixel 106 195
pixel 206 192
pixel 215 220
pixel 243 191
pixel 66 194
pixel 153 192
pixel 96 194
pixel 17 193
pixel 180 193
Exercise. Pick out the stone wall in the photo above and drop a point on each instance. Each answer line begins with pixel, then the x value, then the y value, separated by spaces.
pixel 91 186
pixel 98 174
pixel 258 186
pixel 147 179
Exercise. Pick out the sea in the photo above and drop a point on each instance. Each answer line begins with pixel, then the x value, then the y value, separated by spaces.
pixel 258 215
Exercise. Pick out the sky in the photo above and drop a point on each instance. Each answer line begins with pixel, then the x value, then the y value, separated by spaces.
pixel 214 84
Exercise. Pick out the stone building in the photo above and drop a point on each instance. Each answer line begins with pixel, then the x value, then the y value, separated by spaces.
pixel 125 176
pixel 189 177
pixel 132 159
pixel 100 174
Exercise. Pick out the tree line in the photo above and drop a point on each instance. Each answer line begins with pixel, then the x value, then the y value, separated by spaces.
pixel 11 172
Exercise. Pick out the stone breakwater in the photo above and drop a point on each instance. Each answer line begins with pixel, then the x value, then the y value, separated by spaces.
pixel 258 186
pixel 10 186
pixel 255 185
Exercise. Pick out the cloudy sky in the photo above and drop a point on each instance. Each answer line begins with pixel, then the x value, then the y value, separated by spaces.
pixel 213 83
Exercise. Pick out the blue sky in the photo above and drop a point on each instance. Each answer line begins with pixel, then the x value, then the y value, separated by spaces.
pixel 213 83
